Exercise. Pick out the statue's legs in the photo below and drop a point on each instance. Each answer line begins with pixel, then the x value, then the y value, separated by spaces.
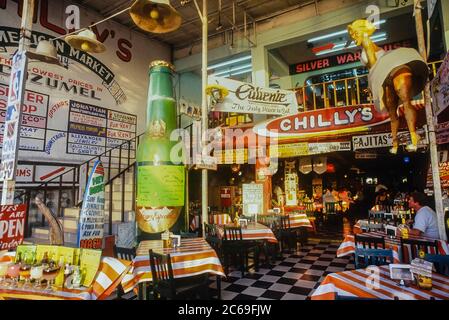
pixel 391 102
pixel 402 82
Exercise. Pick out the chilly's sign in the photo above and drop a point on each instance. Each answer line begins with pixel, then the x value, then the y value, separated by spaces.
pixel 323 122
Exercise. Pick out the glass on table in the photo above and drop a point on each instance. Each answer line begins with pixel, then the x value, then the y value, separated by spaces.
pixel 3 271
pixel 13 272
pixel 50 274
pixel 36 274
pixel 25 273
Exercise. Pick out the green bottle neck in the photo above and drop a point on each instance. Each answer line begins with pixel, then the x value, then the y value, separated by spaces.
pixel 161 107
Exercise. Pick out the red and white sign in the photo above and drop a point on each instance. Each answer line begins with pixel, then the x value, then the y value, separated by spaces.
pixel 12 226
pixel 324 122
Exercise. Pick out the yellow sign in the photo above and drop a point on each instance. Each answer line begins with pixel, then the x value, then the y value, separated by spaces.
pixel 290 150
pixel 232 156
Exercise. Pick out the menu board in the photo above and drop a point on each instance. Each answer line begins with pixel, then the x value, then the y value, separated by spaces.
pixel 89 264
pixel 92 130
pixel 252 199
pixel 160 186
pixel 34 118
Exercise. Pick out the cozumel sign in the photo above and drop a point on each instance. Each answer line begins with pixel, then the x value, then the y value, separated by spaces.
pixel 323 122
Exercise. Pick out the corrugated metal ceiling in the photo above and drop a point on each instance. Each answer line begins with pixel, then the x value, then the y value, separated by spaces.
pixel 190 29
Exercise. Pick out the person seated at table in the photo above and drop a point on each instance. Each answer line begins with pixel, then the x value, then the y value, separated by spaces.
pixel 382 198
pixel 426 223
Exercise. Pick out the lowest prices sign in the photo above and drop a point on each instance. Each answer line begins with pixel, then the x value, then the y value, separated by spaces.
pixel 91 223
pixel 12 226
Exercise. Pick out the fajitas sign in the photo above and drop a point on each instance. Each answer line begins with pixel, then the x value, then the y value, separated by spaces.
pixel 323 122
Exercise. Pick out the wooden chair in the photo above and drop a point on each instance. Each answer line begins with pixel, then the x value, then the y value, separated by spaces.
pixel 124 254
pixel 234 247
pixel 377 257
pixel 166 287
pixel 367 242
pixel 416 246
pixel 441 262
pixel 284 233
pixel 309 208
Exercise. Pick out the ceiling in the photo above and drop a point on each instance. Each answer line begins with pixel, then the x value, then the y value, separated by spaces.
pixel 302 51
pixel 190 30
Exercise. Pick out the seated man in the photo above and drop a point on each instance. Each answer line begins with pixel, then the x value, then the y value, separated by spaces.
pixel 425 219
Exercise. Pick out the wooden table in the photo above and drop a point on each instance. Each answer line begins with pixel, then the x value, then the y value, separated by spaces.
pixel 348 245
pixel 107 279
pixel 195 256
pixel 374 282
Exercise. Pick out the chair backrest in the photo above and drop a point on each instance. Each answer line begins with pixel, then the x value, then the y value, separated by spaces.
pixel 210 230
pixel 368 242
pixel 377 257
pixel 162 272
pixel 375 226
pixel 331 207
pixel 309 207
pixel 249 218
pixel 232 233
pixel 441 262
pixel 185 235
pixel 416 246
pixel 125 253
pixel 284 222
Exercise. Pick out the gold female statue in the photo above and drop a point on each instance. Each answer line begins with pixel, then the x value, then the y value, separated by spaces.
pixel 395 76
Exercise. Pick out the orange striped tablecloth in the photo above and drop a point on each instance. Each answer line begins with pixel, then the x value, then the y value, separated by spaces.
pixel 296 220
pixel 348 245
pixel 220 218
pixel 374 282
pixel 195 256
pixel 108 277
pixel 254 231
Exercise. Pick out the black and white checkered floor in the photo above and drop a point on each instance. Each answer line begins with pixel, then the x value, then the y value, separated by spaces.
pixel 294 277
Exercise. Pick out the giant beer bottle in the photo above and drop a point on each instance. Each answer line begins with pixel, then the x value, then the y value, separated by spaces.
pixel 160 182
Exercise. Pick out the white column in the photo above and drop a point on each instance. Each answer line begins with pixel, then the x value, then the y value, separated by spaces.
pixel 261 77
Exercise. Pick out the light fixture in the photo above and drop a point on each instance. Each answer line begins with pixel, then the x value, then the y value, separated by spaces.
pixel 330 35
pixel 45 52
pixel 226 63
pixel 157 16
pixel 245 66
pixel 86 41
pixel 351 46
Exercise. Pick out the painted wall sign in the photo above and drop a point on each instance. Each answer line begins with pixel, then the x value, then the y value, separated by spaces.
pixel 248 98
pixel 12 226
pixel 112 81
pixel 444 175
pixel 323 122
pixel 340 59
pixel 91 220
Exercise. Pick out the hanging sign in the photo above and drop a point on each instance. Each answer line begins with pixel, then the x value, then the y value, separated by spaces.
pixel 12 121
pixel 386 140
pixel 252 199
pixel 289 150
pixel 320 164
pixel 91 220
pixel 444 175
pixel 323 122
pixel 440 87
pixel 326 147
pixel 247 98
pixel 12 226
pixel 305 165
pixel 442 132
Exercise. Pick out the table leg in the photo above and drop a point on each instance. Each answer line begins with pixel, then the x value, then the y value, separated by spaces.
pixel 219 287
pixel 142 293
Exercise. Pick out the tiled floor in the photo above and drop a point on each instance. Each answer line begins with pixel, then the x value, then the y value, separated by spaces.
pixel 294 277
